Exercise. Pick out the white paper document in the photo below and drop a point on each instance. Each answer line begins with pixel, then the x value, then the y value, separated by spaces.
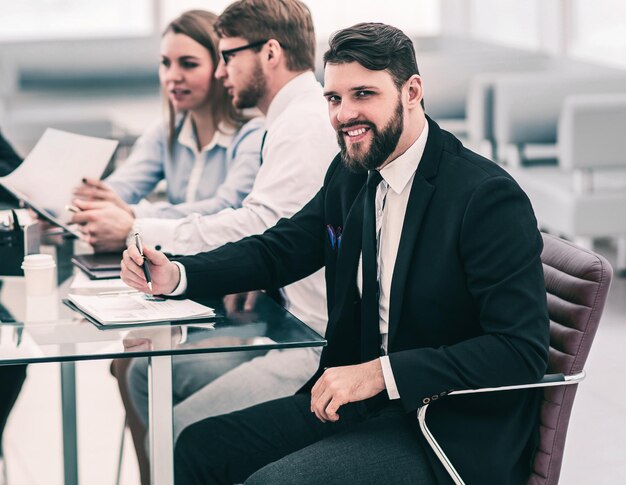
pixel 55 166
pixel 138 308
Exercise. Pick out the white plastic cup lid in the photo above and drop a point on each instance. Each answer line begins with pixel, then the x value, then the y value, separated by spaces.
pixel 33 261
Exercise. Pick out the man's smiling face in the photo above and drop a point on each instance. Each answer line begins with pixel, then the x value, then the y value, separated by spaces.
pixel 366 110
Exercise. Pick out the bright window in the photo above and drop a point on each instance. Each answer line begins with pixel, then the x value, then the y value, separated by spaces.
pixel 599 31
pixel 412 16
pixel 32 20
pixel 509 22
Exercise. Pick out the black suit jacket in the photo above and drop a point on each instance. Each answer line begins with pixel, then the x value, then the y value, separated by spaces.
pixel 468 304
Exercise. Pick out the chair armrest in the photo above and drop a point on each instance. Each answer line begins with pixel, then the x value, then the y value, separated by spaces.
pixel 549 380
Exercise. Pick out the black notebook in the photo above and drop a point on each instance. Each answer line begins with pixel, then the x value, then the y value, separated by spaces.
pixel 99 266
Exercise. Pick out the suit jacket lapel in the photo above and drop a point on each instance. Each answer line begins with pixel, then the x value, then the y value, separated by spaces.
pixel 421 193
pixel 347 260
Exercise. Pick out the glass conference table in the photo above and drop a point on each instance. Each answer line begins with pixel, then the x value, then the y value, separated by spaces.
pixel 45 330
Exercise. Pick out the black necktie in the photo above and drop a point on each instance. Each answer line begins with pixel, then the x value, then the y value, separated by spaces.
pixel 370 332
pixel 262 145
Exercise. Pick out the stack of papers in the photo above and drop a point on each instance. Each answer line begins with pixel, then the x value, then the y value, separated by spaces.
pixel 112 310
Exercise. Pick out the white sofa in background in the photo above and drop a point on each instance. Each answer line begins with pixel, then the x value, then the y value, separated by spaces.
pixel 526 107
pixel 584 196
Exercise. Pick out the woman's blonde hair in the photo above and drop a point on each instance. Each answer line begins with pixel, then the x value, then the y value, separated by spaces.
pixel 199 25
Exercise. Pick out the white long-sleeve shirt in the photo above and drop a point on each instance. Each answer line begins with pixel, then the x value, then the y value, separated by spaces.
pixel 298 148
pixel 392 197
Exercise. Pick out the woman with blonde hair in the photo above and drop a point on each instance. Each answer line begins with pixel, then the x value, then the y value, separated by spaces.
pixel 205 150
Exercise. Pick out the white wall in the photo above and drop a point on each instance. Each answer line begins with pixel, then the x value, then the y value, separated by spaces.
pixel 593 30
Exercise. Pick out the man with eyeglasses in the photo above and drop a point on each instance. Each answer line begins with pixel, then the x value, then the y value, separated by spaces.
pixel 268 52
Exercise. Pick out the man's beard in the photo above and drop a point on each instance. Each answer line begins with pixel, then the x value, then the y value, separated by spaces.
pixel 382 145
pixel 250 95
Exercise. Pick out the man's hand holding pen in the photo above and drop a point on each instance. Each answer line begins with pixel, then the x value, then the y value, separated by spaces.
pixel 164 274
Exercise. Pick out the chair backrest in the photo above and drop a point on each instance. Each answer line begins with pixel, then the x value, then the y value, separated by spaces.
pixel 589 121
pixel 526 107
pixel 577 285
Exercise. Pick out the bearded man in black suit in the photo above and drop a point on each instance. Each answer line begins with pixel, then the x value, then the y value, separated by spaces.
pixel 434 283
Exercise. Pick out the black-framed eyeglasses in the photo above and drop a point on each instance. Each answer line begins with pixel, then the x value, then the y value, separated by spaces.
pixel 229 53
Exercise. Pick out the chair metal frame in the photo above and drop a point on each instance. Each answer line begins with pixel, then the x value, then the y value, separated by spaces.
pixel 574 372
pixel 549 380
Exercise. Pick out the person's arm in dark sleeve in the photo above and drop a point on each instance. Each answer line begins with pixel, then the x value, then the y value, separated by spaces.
pixel 287 252
pixel 500 246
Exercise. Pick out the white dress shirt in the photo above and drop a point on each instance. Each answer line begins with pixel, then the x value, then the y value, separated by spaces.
pixel 392 197
pixel 299 146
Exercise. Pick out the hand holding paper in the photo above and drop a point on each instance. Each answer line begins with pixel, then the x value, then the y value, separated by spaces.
pixel 97 190
pixel 165 274
pixel 60 160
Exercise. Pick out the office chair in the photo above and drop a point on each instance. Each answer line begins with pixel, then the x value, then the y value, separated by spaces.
pixel 577 284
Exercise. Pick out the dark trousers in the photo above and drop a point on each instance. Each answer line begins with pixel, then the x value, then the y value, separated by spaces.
pixel 11 379
pixel 282 442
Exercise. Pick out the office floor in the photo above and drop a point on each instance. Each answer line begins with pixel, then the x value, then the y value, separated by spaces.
pixel 33 445
pixel 595 449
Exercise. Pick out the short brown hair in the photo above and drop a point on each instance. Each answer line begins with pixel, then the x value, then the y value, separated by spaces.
pixel 199 26
pixel 377 47
pixel 287 21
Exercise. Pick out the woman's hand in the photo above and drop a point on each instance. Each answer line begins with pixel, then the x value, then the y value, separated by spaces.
pixel 97 190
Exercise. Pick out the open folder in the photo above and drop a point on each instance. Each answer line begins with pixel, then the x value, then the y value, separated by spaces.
pixel 45 181
pixel 117 309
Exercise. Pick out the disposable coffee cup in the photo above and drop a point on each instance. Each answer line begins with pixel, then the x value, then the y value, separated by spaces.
pixel 39 273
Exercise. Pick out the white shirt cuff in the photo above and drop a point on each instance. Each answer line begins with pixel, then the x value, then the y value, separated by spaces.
pixel 182 284
pixel 390 382
pixel 158 233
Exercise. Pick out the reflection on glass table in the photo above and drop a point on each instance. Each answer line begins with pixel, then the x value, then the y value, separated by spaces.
pixel 50 332
pixel 45 330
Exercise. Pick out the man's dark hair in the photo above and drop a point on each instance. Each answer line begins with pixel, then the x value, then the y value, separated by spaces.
pixel 287 21
pixel 377 47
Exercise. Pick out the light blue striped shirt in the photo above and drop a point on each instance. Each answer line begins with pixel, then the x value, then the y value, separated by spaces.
pixel 205 181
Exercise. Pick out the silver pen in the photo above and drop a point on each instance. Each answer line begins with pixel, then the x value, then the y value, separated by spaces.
pixel 146 271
